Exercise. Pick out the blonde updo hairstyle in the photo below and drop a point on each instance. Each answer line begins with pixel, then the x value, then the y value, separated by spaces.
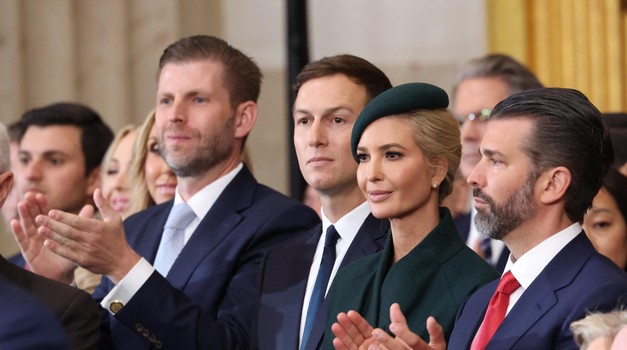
pixel 436 132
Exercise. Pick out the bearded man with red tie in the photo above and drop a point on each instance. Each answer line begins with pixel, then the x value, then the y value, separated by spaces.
pixel 544 155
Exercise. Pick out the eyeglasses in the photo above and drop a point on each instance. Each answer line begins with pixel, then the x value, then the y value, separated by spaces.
pixel 482 116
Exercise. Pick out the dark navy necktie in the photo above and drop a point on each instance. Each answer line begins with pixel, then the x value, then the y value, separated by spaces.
pixel 320 287
pixel 486 247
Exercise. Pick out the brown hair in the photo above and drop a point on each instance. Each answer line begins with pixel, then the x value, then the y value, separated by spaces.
pixel 355 68
pixel 242 77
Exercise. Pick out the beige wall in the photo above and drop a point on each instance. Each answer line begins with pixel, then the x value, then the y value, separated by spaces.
pixel 104 53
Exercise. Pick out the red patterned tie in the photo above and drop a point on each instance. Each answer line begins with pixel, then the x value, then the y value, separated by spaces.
pixel 496 311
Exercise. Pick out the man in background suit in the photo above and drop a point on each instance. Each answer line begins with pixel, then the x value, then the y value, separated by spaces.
pixel 206 107
pixel 73 308
pixel 25 324
pixel 61 147
pixel 544 155
pixel 481 84
pixel 330 94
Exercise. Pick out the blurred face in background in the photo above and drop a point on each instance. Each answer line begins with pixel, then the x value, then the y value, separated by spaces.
pixel 605 227
pixel 471 98
pixel 115 180
pixel 160 179
pixel 53 164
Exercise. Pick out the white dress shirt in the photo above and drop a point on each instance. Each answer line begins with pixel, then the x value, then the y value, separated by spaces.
pixel 200 203
pixel 531 264
pixel 347 227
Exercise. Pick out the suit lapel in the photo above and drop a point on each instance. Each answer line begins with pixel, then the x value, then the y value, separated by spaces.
pixel 471 315
pixel 540 297
pixel 369 239
pixel 223 216
pixel 532 306
pixel 300 257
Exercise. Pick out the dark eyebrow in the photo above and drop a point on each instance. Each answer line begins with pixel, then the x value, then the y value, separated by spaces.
pixel 50 153
pixel 600 210
pixel 491 153
pixel 383 147
pixel 326 112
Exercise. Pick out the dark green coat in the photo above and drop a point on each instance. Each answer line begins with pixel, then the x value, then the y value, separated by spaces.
pixel 434 279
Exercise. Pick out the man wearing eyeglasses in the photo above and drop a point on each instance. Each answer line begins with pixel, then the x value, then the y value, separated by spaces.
pixel 481 84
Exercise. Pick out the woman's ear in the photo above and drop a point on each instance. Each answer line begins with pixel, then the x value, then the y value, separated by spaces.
pixel 439 170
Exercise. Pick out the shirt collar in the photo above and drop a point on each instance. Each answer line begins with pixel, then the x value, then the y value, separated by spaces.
pixel 202 201
pixel 348 225
pixel 531 264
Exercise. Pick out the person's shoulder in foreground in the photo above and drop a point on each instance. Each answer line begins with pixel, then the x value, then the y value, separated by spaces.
pixel 25 324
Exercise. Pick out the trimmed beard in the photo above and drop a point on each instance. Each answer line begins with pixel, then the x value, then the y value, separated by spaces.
pixel 501 219
pixel 216 148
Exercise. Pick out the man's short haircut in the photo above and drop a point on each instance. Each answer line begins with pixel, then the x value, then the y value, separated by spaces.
pixel 517 77
pixel 242 77
pixel 567 131
pixel 16 131
pixel 355 68
pixel 5 149
pixel 95 134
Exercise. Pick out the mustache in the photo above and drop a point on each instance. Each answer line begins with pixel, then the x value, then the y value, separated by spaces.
pixel 477 193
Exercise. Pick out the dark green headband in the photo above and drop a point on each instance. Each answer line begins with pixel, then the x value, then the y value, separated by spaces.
pixel 398 100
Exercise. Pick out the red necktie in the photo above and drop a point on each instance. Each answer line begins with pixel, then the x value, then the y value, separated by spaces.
pixel 496 311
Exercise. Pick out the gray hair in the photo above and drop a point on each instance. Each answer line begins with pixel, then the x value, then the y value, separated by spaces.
pixel 5 150
pixel 517 77
pixel 598 325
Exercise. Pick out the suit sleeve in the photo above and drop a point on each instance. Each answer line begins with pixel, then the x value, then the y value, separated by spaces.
pixel 164 315
pixel 606 298
pixel 81 316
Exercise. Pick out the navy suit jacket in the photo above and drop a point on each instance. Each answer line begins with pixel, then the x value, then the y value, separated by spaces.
pixel 77 312
pixel 25 324
pixel 209 297
pixel 283 281
pixel 576 281
pixel 463 223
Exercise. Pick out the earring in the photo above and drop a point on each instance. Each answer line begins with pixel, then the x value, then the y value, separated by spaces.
pixel 435 186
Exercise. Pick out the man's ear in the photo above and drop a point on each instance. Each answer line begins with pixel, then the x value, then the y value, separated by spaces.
pixel 554 184
pixel 6 184
pixel 245 118
pixel 93 182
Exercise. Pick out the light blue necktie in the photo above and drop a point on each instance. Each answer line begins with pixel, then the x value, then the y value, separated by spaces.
pixel 320 287
pixel 173 238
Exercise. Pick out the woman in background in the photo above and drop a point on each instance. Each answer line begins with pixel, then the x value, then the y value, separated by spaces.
pixel 407 145
pixel 605 224
pixel 152 180
pixel 115 170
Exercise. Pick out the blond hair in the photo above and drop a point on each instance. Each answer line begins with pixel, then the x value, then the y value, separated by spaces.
pixel 598 325
pixel 436 132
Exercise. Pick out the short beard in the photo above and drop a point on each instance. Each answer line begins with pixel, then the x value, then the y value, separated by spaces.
pixel 499 220
pixel 215 149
